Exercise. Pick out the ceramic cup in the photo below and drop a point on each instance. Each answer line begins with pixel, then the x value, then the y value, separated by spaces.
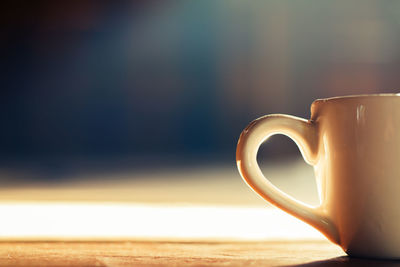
pixel 353 143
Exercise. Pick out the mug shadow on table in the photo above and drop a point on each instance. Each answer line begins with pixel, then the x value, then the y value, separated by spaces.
pixel 349 261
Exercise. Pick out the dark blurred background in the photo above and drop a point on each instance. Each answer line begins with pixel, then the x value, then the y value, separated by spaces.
pixel 153 83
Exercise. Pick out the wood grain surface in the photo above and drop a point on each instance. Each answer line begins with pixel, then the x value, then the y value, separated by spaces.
pixel 148 253
pixel 215 187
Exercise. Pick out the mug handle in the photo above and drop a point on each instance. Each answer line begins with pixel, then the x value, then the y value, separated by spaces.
pixel 305 134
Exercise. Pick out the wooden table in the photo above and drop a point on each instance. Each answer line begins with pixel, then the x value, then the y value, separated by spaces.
pixel 151 253
pixel 215 187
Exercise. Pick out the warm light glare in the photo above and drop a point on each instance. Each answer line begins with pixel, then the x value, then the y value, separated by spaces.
pixel 31 221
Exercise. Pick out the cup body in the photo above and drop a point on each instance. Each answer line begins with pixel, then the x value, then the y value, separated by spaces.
pixel 358 171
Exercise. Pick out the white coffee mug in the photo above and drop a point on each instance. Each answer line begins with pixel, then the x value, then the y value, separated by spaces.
pixel 353 142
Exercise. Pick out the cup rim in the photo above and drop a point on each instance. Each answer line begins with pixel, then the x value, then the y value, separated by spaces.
pixel 358 96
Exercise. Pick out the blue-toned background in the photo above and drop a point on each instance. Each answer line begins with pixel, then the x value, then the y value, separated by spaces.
pixel 151 83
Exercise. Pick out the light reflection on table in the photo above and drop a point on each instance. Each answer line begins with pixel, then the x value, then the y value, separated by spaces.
pixel 175 204
pixel 66 221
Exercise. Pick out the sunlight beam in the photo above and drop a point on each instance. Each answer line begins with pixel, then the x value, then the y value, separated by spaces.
pixel 87 221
